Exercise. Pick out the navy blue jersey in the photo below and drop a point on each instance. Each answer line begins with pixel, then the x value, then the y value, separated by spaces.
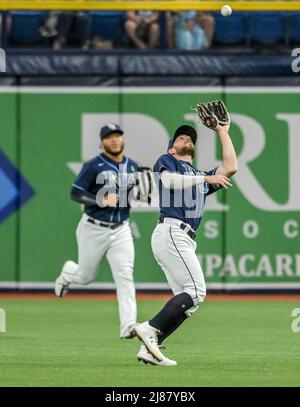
pixel 100 175
pixel 184 204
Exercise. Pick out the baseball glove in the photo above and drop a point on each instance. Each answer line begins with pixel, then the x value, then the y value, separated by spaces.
pixel 213 114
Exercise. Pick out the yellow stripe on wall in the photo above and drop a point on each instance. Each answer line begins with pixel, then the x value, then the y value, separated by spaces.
pixel 148 5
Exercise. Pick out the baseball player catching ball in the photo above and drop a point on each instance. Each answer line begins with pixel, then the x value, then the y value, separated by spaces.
pixel 106 185
pixel 183 191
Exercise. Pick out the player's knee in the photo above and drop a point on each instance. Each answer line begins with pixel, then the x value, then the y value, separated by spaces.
pixel 191 311
pixel 198 299
pixel 84 279
pixel 201 293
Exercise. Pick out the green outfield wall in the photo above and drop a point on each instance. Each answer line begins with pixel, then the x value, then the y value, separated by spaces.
pixel 249 236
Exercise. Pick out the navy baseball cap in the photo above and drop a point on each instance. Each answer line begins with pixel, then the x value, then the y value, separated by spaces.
pixel 110 128
pixel 187 131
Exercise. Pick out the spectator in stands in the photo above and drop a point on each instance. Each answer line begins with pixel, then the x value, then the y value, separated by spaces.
pixel 207 22
pixel 8 27
pixel 142 28
pixel 170 16
pixel 49 29
pixel 193 30
pixel 74 26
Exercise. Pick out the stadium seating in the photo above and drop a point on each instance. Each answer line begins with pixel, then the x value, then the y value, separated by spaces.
pixel 231 31
pixel 25 27
pixel 294 28
pixel 267 28
pixel 108 25
pixel 244 29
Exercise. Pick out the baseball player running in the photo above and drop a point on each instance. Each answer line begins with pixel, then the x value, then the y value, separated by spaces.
pixel 105 185
pixel 183 191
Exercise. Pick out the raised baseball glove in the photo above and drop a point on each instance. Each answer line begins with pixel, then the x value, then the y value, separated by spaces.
pixel 213 114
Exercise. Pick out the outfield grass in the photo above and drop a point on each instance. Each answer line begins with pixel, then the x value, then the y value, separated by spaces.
pixel 74 342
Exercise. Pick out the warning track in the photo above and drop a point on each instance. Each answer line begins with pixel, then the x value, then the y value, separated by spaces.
pixel 158 296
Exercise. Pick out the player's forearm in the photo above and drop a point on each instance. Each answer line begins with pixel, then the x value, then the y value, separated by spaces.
pixel 230 163
pixel 172 180
pixel 83 197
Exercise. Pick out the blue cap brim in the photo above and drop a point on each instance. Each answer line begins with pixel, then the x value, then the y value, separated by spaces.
pixel 113 131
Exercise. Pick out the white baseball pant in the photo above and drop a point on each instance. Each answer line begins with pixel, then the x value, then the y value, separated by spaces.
pixel 93 243
pixel 174 251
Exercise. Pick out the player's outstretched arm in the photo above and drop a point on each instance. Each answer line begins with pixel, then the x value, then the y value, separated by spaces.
pixel 215 116
pixel 172 180
pixel 229 165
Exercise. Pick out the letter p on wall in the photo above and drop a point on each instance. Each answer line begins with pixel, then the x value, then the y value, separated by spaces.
pixel 2 320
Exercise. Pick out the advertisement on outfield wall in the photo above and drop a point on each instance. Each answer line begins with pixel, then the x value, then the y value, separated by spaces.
pixel 249 236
